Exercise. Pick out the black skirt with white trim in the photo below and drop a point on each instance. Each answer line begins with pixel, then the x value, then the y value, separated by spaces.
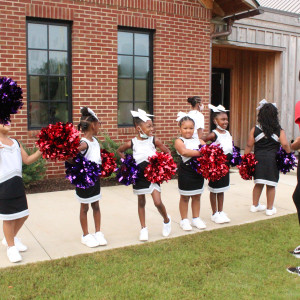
pixel 89 195
pixel 266 170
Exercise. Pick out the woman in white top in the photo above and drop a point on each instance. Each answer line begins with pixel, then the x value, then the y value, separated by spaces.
pixel 196 115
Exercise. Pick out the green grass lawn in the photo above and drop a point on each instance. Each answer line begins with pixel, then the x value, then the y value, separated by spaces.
pixel 241 262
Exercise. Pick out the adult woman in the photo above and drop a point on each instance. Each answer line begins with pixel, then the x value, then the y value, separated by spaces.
pixel 196 115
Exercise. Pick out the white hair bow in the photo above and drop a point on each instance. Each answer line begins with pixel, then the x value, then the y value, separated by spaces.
pixel 219 108
pixel 91 112
pixel 262 103
pixel 141 114
pixel 181 115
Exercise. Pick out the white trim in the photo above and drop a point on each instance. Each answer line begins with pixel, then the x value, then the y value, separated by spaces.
pixel 89 200
pixel 275 137
pixel 15 216
pixel 190 193
pixel 149 190
pixel 219 190
pixel 259 137
pixel 266 182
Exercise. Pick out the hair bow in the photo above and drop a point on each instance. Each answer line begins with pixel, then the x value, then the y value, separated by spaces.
pixel 219 108
pixel 181 115
pixel 262 103
pixel 91 112
pixel 141 114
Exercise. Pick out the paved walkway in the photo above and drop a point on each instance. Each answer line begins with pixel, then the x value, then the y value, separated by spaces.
pixel 53 229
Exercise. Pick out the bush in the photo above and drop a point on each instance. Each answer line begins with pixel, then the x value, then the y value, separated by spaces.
pixel 174 153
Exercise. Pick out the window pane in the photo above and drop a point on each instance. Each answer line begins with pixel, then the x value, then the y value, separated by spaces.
pixel 38 88
pixel 58 112
pixel 125 66
pixel 37 62
pixel 125 43
pixel 142 105
pixel 58 38
pixel 58 63
pixel 141 67
pixel 125 89
pixel 140 90
pixel 58 88
pixel 124 115
pixel 141 44
pixel 37 36
pixel 38 114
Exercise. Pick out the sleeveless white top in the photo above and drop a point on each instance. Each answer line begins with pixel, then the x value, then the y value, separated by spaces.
pixel 142 149
pixel 191 144
pixel 10 161
pixel 224 140
pixel 93 152
pixel 198 118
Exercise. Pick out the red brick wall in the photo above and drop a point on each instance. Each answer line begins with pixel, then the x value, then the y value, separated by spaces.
pixel 181 57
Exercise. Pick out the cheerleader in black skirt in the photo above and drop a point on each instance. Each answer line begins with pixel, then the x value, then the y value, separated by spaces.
pixel 13 202
pixel 143 147
pixel 266 138
pixel 190 183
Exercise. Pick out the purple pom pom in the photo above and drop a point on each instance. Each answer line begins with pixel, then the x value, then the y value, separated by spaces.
pixel 285 161
pixel 194 162
pixel 236 156
pixel 84 173
pixel 10 99
pixel 128 171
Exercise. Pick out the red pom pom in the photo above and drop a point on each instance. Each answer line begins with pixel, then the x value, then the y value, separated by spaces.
pixel 247 166
pixel 212 162
pixel 161 168
pixel 58 141
pixel 109 164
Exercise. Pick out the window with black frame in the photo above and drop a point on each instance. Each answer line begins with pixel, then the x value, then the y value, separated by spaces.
pixel 48 73
pixel 134 73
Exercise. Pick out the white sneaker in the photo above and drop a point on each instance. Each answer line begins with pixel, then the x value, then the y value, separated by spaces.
pixel 216 218
pixel 167 228
pixel 224 217
pixel 144 234
pixel 99 236
pixel 13 254
pixel 270 212
pixel 89 240
pixel 259 207
pixel 198 223
pixel 185 225
pixel 20 246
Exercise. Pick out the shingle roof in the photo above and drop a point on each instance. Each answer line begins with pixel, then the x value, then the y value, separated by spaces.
pixel 292 6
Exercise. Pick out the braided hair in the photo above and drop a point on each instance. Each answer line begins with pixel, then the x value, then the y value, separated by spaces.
pixel 86 120
pixel 194 100
pixel 186 118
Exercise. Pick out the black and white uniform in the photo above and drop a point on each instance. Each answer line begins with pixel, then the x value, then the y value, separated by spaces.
pixel 142 150
pixel 265 150
pixel 190 183
pixel 92 153
pixel 224 140
pixel 13 202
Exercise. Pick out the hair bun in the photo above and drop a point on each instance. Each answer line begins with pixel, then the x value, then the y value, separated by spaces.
pixel 84 111
pixel 190 100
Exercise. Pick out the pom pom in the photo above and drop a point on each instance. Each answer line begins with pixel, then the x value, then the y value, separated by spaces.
pixel 236 156
pixel 83 173
pixel 161 168
pixel 285 161
pixel 10 99
pixel 58 141
pixel 247 166
pixel 109 164
pixel 211 163
pixel 128 171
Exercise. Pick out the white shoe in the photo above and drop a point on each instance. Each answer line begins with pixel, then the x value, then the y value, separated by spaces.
pixel 259 207
pixel 20 246
pixel 224 217
pixel 99 236
pixel 13 254
pixel 167 228
pixel 185 225
pixel 216 218
pixel 90 241
pixel 198 223
pixel 270 212
pixel 144 234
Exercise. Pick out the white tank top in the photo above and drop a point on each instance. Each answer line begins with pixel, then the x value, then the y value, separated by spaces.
pixel 142 149
pixel 92 153
pixel 10 161
pixel 191 144
pixel 224 140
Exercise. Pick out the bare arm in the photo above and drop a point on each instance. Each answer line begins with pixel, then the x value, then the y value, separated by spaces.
pixel 161 146
pixel 210 137
pixel 200 133
pixel 250 141
pixel 182 150
pixel 30 159
pixel 283 141
pixel 296 144
pixel 123 148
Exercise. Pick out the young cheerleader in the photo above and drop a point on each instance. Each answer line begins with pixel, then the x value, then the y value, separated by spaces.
pixel 13 202
pixel 266 138
pixel 220 136
pixel 196 115
pixel 90 149
pixel 144 146
pixel 190 183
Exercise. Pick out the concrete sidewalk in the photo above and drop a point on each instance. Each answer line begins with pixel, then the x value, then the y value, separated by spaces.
pixel 53 229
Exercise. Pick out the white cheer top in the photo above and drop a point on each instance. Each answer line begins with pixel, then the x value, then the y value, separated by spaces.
pixel 191 144
pixel 142 149
pixel 92 153
pixel 224 140
pixel 198 118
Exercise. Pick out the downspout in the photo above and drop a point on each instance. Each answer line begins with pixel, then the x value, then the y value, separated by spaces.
pixel 223 33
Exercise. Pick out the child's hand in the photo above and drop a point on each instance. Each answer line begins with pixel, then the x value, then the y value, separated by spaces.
pixel 1 146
